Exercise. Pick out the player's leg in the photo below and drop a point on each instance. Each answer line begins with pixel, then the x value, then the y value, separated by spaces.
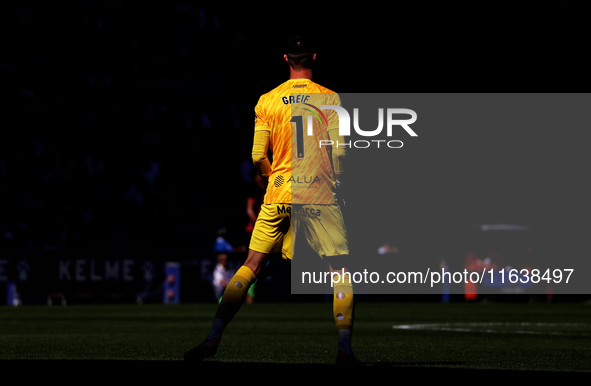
pixel 267 236
pixel 325 231
pixel 343 307
pixel 236 291
pixel 232 299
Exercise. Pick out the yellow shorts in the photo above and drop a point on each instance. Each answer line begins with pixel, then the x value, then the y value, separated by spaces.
pixel 277 225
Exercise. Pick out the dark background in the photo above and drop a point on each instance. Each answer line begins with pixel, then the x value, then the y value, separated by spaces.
pixel 129 124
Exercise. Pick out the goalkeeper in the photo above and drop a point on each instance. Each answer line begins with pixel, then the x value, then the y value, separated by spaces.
pixel 301 193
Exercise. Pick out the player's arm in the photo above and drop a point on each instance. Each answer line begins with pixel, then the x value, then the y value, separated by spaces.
pixel 338 150
pixel 260 144
pixel 338 154
pixel 338 162
pixel 259 154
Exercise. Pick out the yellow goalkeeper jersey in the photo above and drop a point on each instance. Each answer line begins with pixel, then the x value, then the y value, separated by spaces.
pixel 301 171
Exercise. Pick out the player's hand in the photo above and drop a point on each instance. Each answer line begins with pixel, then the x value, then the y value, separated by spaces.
pixel 341 194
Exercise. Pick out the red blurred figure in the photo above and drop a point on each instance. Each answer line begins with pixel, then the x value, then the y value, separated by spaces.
pixel 471 263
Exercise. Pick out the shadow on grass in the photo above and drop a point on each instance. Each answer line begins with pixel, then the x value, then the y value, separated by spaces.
pixel 151 371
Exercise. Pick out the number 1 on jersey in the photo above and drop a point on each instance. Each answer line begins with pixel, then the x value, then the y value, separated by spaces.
pixel 299 129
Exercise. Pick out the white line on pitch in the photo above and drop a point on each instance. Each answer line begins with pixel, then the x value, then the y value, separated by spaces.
pixel 461 327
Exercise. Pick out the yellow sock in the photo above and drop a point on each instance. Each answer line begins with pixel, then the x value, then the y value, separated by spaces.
pixel 235 294
pixel 343 306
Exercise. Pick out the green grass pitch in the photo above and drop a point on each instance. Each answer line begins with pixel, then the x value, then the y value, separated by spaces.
pixel 537 338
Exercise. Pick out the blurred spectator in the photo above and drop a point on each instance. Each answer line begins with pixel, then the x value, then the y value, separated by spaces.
pixel 221 245
pixel 387 249
pixel 471 263
pixel 254 201
pixel 221 275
